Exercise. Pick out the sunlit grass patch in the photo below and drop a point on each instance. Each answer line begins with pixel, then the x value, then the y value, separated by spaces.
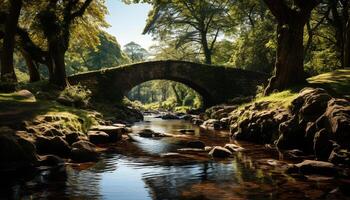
pixel 15 97
pixel 283 98
pixel 337 82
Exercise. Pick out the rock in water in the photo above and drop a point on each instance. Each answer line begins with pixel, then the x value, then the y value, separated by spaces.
pixel 115 133
pixel 170 117
pixel 233 148
pixel 98 137
pixel 314 167
pixel 146 133
pixel 212 124
pixel 52 145
pixel 15 152
pixel 84 151
pixel 220 152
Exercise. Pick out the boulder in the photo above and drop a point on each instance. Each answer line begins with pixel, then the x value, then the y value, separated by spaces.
pixel 196 144
pixel 52 132
pixel 72 137
pixel 117 129
pixel 212 124
pixel 197 121
pixel 208 148
pixel 84 151
pixel 185 117
pixel 340 156
pixel 314 105
pixel 337 121
pixel 146 133
pixel 234 148
pixel 170 116
pixel 115 133
pixel 15 152
pixel 322 145
pixel 52 145
pixel 26 94
pixel 98 137
pixel 220 152
pixel 225 123
pixel 314 167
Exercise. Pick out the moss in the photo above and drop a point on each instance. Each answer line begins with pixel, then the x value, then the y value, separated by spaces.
pixel 19 108
pixel 14 97
pixel 279 99
pixel 336 82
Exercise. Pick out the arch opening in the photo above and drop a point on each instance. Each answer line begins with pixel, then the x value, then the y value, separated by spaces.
pixel 165 95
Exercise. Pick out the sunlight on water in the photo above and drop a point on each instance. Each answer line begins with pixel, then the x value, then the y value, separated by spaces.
pixel 144 174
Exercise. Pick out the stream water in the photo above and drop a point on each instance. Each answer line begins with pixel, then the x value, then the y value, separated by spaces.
pixel 140 171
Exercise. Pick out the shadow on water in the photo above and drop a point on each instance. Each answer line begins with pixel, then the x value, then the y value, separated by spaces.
pixel 137 171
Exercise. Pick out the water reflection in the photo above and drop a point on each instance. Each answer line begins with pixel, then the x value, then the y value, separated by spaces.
pixel 138 172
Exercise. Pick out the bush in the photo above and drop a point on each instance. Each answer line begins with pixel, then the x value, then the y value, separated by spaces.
pixel 76 95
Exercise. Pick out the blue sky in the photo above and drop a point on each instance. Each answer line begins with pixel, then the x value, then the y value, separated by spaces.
pixel 127 22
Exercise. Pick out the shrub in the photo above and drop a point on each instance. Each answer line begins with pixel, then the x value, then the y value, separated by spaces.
pixel 75 95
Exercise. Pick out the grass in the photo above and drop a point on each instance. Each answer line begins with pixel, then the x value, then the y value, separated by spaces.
pixel 337 82
pixel 14 97
pixel 15 109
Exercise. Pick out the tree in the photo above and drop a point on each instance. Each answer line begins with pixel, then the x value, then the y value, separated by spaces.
pixel 189 22
pixel 107 53
pixel 167 50
pixel 291 18
pixel 56 21
pixel 339 19
pixel 135 52
pixel 9 20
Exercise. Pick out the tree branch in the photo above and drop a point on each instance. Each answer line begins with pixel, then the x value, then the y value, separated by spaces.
pixel 82 10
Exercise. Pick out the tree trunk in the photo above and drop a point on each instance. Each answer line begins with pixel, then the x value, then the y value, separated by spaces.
pixel 32 68
pixel 7 67
pixel 57 54
pixel 206 50
pixel 289 67
pixel 346 61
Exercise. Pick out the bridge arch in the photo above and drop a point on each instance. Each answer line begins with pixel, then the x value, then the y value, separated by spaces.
pixel 215 84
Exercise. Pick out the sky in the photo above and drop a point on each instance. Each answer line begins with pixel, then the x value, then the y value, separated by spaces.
pixel 127 22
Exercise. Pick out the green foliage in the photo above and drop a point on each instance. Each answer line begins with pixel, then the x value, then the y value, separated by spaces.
pixel 135 52
pixel 106 54
pixel 167 50
pixel 255 48
pixel 164 95
pixel 77 94
pixel 189 22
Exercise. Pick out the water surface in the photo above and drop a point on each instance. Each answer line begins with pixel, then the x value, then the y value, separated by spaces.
pixel 138 171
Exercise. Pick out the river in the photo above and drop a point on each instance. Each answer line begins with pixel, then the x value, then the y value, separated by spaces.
pixel 140 171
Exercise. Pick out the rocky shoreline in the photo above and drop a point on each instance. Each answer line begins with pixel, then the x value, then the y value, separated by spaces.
pixel 315 129
pixel 315 126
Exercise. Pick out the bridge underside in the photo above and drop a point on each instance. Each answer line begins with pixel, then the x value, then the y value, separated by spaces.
pixel 215 84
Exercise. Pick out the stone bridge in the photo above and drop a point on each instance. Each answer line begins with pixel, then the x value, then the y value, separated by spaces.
pixel 216 84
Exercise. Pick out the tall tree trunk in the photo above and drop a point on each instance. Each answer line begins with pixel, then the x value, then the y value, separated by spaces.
pixel 289 66
pixel 7 67
pixel 346 53
pixel 206 50
pixel 57 54
pixel 34 74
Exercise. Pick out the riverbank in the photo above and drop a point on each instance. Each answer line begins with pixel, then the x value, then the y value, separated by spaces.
pixel 304 133
pixel 312 123
pixel 42 131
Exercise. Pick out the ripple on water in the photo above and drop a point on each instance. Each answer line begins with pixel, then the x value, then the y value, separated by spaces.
pixel 148 176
